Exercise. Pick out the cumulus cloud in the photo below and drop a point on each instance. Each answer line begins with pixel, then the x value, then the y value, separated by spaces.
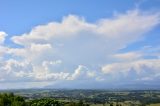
pixel 75 49
pixel 2 51
pixel 74 34
pixel 129 26
pixel 2 48
pixel 2 37
pixel 81 73
pixel 135 70
pixel 12 70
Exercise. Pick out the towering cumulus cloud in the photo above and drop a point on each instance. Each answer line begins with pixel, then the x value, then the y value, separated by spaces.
pixel 76 51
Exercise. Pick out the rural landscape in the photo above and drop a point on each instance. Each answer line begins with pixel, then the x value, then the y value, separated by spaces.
pixel 64 97
pixel 79 52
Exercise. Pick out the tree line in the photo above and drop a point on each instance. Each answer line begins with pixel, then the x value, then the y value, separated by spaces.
pixel 9 99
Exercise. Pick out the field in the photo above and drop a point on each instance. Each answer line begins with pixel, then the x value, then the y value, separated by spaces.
pixel 93 97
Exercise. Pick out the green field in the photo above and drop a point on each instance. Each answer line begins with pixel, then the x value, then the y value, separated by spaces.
pixel 157 104
pixel 89 97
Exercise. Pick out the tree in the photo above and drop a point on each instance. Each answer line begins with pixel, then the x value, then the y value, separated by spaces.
pixel 111 104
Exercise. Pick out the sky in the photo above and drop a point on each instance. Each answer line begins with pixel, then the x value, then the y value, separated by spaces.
pixel 86 44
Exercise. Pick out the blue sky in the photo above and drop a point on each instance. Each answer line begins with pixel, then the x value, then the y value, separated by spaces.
pixel 27 14
pixel 51 42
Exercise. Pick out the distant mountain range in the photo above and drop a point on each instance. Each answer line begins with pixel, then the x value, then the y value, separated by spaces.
pixel 93 85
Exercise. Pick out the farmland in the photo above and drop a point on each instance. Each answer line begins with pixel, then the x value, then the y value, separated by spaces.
pixel 93 97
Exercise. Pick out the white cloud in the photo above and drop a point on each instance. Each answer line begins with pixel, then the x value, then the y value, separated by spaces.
pixel 46 63
pixel 81 73
pixel 52 52
pixel 130 56
pixel 70 26
pixel 131 24
pixel 3 49
pixel 122 29
pixel 73 35
pixel 2 37
pixel 135 70
pixel 32 53
pixel 13 70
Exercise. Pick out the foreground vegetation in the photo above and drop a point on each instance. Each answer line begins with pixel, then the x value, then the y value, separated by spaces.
pixel 9 99
pixel 49 97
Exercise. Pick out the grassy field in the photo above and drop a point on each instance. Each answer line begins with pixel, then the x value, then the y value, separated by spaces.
pixel 124 104
pixel 158 104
